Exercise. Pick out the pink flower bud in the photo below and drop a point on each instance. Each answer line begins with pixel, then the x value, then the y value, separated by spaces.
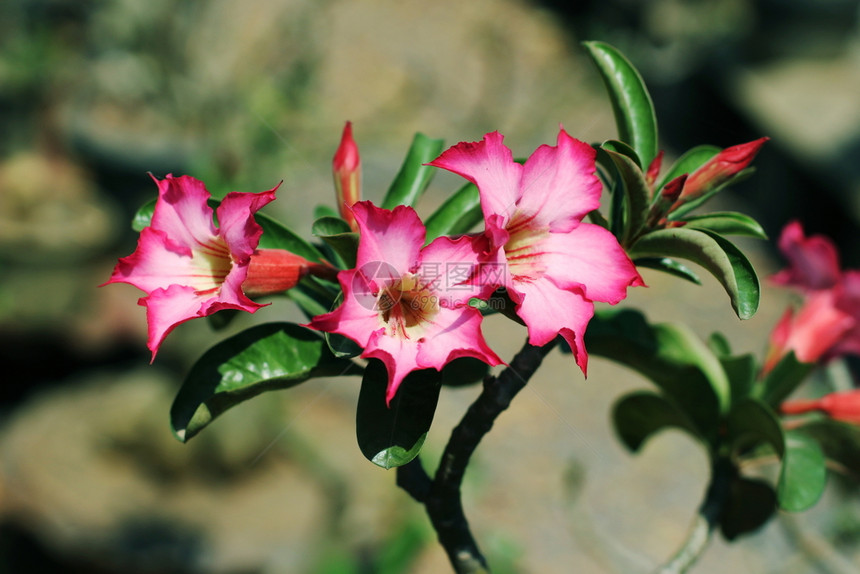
pixel 844 406
pixel 273 271
pixel 720 169
pixel 346 167
pixel 654 169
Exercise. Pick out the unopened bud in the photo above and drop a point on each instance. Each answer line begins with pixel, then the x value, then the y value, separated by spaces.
pixel 654 169
pixel 720 169
pixel 346 167
pixel 844 406
pixel 273 271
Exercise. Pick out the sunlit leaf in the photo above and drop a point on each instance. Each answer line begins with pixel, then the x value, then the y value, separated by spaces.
pixel 727 223
pixel 459 214
pixel 414 177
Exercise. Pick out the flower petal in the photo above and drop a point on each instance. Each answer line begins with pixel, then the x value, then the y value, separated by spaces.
pixel 391 237
pixel 236 221
pixel 356 317
pixel 158 262
pixel 399 355
pixel 490 165
pixel 813 261
pixel 182 212
pixel 549 311
pixel 591 258
pixel 454 333
pixel 560 184
pixel 457 265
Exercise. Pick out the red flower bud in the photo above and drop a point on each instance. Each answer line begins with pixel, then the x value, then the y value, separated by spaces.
pixel 654 169
pixel 720 169
pixel 273 271
pixel 346 166
pixel 844 406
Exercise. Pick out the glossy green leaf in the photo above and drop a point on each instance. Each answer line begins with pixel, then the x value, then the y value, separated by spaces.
pixel 414 177
pixel 692 160
pixel 669 266
pixel 459 214
pixel 727 223
pixel 782 380
pixel 720 257
pixel 143 216
pixel 637 194
pixel 622 148
pixel 263 358
pixel 803 476
pixel 669 355
pixel 392 436
pixel 751 423
pixel 611 177
pixel 839 441
pixel 639 415
pixel 751 504
pixel 340 237
pixel 631 103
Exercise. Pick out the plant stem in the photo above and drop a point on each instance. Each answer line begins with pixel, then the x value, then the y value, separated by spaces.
pixel 707 519
pixel 441 495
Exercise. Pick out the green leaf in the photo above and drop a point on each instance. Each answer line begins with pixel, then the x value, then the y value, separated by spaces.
pixel 221 319
pixel 803 475
pixel 263 358
pixel 459 214
pixel 782 380
pixel 619 147
pixel 751 423
pixel 641 414
pixel 720 257
pixel 692 160
pixel 719 345
pixel 741 371
pixel 340 237
pixel 321 211
pixel 143 216
pixel 313 296
pixel 392 436
pixel 669 266
pixel 727 223
pixel 840 441
pixel 682 210
pixel 414 177
pixel 671 356
pixel 631 103
pixel 464 371
pixel 637 194
pixel 751 504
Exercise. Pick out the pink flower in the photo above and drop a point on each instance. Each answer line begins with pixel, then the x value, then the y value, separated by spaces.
pixel 843 406
pixel 719 169
pixel 813 261
pixel 555 265
pixel 188 267
pixel 346 167
pixel 407 305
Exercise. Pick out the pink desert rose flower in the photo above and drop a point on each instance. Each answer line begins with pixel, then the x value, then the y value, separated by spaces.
pixel 190 268
pixel 842 406
pixel 813 262
pixel 556 265
pixel 407 305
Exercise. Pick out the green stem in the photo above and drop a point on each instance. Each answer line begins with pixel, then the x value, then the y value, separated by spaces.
pixel 441 495
pixel 708 518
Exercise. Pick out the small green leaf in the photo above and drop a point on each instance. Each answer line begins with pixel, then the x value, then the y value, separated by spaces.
pixel 637 194
pixel 839 441
pixel 340 237
pixel 631 103
pixel 414 177
pixel 692 160
pixel 143 216
pixel 671 356
pixel 669 266
pixel 782 380
pixel 727 223
pixel 803 475
pixel 719 344
pixel 751 423
pixel 263 358
pixel 392 436
pixel 751 504
pixel 459 214
pixel 741 371
pixel 720 257
pixel 639 415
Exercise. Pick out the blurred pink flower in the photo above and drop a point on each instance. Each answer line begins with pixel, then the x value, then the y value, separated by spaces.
pixel 813 261
pixel 407 305
pixel 188 267
pixel 843 406
pixel 554 265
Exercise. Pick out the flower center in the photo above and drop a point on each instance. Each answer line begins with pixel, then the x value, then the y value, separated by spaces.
pixel 212 263
pixel 406 306
pixel 523 249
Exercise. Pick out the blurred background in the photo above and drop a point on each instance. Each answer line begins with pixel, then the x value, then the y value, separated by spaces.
pixel 94 94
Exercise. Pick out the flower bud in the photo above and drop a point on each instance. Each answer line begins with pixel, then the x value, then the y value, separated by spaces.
pixel 346 167
pixel 273 271
pixel 844 406
pixel 719 169
pixel 654 169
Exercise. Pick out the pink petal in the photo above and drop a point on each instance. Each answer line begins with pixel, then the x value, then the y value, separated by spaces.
pixel 813 261
pixel 356 317
pixel 182 212
pixel 490 165
pixel 559 184
pixel 455 333
pixel 236 221
pixel 399 355
pixel 393 238
pixel 457 265
pixel 591 258
pixel 549 311
pixel 157 262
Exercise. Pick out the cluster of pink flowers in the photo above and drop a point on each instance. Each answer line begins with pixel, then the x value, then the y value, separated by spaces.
pixel 404 303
